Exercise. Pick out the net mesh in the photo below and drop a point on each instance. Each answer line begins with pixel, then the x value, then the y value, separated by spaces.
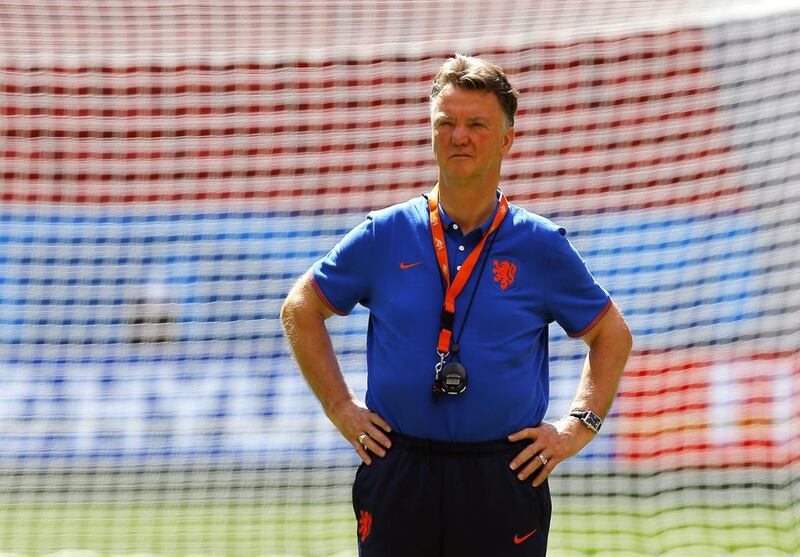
pixel 168 171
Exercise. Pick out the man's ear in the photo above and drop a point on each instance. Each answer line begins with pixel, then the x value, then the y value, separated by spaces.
pixel 508 141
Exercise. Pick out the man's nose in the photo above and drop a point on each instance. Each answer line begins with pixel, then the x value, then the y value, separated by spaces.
pixel 459 135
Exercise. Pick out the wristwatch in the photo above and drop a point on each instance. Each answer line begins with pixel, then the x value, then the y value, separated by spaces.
pixel 589 419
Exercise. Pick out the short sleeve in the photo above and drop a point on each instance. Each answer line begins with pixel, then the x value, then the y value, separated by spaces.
pixel 575 299
pixel 343 277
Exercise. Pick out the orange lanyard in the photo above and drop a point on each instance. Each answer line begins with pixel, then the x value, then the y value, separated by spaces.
pixel 462 276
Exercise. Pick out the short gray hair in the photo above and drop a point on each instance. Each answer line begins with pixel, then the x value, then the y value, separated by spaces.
pixel 476 74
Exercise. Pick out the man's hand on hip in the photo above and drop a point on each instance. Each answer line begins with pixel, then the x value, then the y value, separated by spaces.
pixel 551 444
pixel 363 428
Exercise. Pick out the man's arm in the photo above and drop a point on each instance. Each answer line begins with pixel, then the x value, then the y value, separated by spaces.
pixel 610 344
pixel 303 315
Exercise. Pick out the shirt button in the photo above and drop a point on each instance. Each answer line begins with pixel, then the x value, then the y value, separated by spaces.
pixel 458 268
pixel 455 226
pixel 460 248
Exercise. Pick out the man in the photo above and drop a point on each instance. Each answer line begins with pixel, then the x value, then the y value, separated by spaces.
pixel 461 287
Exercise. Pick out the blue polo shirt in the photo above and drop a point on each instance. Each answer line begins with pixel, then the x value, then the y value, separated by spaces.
pixel 528 276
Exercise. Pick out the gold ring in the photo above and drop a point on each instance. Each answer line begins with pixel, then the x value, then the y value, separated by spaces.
pixel 362 438
pixel 542 459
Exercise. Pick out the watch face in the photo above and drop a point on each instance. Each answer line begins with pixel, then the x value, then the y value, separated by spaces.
pixel 593 421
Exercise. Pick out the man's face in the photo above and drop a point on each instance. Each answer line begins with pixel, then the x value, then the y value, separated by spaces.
pixel 470 134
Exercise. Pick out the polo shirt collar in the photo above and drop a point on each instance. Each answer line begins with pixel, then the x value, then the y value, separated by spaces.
pixel 447 222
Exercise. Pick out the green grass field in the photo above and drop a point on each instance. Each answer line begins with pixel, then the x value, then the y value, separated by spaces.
pixel 327 529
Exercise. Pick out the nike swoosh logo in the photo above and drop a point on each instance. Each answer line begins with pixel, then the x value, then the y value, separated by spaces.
pixel 518 540
pixel 409 265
